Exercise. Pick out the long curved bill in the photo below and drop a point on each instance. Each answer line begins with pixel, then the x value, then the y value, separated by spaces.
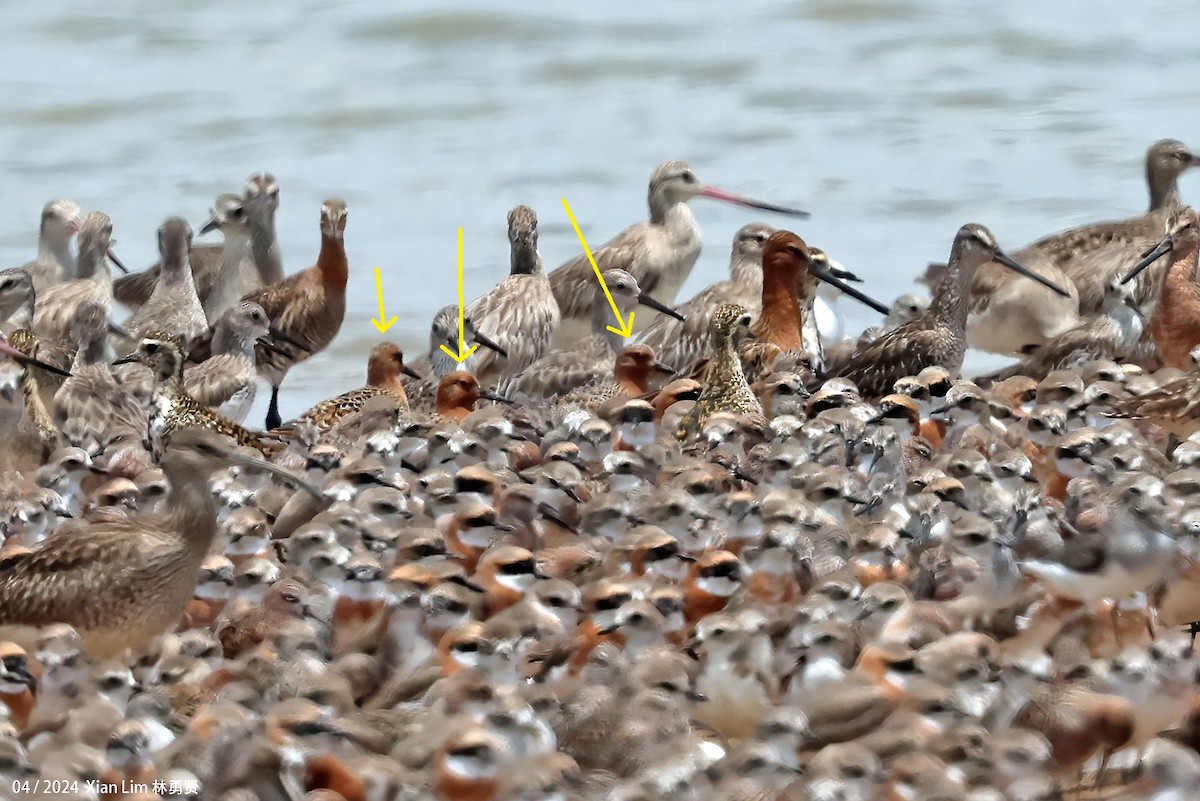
pixel 1154 254
pixel 646 300
pixel 1017 267
pixel 729 197
pixel 826 275
pixel 113 258
pixel 283 475
pixel 210 226
pixel 8 350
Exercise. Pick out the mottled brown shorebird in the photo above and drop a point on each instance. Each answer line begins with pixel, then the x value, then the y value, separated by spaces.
pixel 120 583
pixel 588 359
pixel 725 388
pixel 173 305
pixel 172 408
pixel 29 432
pixel 92 395
pixel 307 306
pixel 660 253
pixel 227 381
pixel 937 337
pixel 628 377
pixel 384 368
pixel 1173 407
pixel 1175 324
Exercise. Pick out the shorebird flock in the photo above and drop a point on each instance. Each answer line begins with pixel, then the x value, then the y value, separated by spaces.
pixel 735 555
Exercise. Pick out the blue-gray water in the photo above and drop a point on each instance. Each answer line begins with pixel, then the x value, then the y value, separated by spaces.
pixel 893 121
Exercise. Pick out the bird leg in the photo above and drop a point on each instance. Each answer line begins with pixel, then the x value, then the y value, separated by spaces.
pixel 274 420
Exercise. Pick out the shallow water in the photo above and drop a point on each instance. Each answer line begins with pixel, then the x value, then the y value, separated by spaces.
pixel 893 121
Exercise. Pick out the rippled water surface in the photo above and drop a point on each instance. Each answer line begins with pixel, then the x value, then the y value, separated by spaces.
pixel 893 121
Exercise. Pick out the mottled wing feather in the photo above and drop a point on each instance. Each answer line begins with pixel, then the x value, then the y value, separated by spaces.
pixel 134 290
pixel 55 582
pixel 218 379
pixel 875 367
pixel 574 283
pixel 520 315
pixel 560 371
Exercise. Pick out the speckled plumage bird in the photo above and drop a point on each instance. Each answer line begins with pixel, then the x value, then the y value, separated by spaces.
pixel 121 583
pixel 172 408
pixel 724 388
pixel 385 365
pixel 937 337
pixel 520 313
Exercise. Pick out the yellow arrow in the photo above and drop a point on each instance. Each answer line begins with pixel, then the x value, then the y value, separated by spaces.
pixel 626 329
pixel 462 355
pixel 383 323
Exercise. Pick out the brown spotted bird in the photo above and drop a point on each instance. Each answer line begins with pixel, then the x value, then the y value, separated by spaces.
pixel 937 337
pixel 725 388
pixel 384 368
pixel 172 408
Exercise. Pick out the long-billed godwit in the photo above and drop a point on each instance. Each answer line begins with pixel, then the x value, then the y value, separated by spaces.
pixel 937 337
pixel 659 254
pixel 307 306
pixel 1006 317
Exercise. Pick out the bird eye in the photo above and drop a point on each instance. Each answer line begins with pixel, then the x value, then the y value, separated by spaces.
pixel 290 598
pixel 688 177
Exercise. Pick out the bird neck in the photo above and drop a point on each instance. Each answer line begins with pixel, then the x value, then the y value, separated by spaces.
pixel 524 259
pixel 333 264
pixel 633 382
pixel 1164 190
pixel 92 350
pixel 57 249
pixel 265 250
pixel 781 319
pixel 93 264
pixel 387 378
pixel 193 509
pixel 1181 275
pixel 951 299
